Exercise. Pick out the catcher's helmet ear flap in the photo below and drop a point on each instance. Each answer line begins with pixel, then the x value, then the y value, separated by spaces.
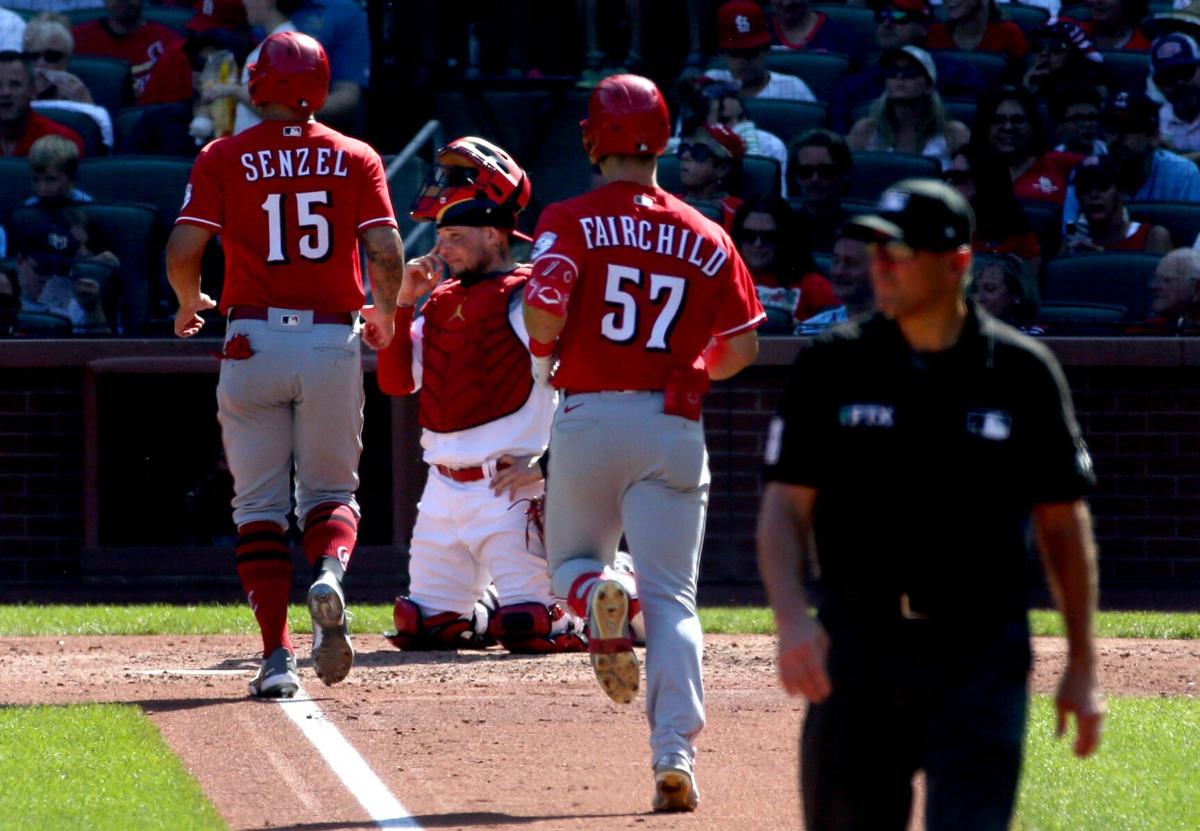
pixel 473 170
pixel 627 115
pixel 292 69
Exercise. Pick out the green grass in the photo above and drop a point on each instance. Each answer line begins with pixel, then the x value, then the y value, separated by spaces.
pixel 95 766
pixel 235 619
pixel 1144 777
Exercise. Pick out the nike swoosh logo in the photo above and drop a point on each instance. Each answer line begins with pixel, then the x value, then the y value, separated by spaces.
pixel 570 407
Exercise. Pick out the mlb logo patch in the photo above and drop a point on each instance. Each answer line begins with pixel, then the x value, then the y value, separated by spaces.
pixel 643 200
pixel 292 131
pixel 993 425
pixel 289 320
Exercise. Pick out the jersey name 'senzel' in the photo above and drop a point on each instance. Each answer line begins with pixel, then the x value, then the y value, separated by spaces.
pixel 475 366
pixel 299 195
pixel 645 282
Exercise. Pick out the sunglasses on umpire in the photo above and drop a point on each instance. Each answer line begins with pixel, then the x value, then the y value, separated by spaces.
pixel 697 152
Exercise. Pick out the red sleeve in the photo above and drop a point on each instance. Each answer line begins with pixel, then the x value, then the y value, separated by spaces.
pixel 738 309
pixel 45 126
pixel 557 250
pixel 939 37
pixel 1027 246
pixel 203 200
pixel 816 295
pixel 171 78
pixel 393 367
pixel 1018 44
pixel 375 206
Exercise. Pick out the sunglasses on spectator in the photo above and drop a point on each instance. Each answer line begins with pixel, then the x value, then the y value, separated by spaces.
pixel 907 70
pixel 1174 75
pixel 892 251
pixel 699 152
pixel 898 16
pixel 48 55
pixel 1013 120
pixel 760 237
pixel 957 177
pixel 821 171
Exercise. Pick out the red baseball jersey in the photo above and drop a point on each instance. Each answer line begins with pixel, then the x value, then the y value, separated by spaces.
pixel 161 70
pixel 39 126
pixel 289 200
pixel 645 282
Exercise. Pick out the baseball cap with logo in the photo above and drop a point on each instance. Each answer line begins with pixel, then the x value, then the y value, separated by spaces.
pixel 722 140
pixel 52 247
pixel 924 214
pixel 741 24
pixel 1131 111
pixel 913 53
pixel 1096 173
pixel 1174 50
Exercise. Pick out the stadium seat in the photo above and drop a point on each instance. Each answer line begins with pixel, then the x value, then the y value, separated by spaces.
pixel 820 70
pixel 1108 279
pixel 760 176
pixel 15 185
pixel 711 210
pixel 824 262
pixel 859 20
pixel 157 181
pixel 155 129
pixel 1065 317
pixel 77 16
pixel 107 79
pixel 786 118
pixel 108 279
pixel 990 66
pixel 174 17
pixel 1127 68
pixel 1046 220
pixel 1029 18
pixel 875 170
pixel 1182 219
pixel 43 325
pixel 961 109
pixel 81 123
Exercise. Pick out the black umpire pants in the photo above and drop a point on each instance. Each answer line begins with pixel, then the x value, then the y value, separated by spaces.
pixel 948 698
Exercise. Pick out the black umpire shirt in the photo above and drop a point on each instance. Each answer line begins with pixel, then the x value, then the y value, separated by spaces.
pixel 926 465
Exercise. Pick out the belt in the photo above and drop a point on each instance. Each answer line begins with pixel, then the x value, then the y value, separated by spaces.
pixel 467 474
pixel 569 393
pixel 260 313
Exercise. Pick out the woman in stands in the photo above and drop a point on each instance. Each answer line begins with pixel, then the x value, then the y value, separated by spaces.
pixel 1007 288
pixel 774 246
pixel 909 116
pixel 1104 223
pixel 1009 132
pixel 710 168
pixel 977 25
pixel 1001 227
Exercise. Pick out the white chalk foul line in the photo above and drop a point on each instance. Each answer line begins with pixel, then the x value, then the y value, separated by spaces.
pixel 384 809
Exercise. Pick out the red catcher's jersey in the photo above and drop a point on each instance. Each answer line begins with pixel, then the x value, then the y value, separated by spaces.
pixel 646 281
pixel 289 200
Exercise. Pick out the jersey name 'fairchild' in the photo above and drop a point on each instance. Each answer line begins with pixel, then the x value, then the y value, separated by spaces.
pixel 662 238
pixel 294 162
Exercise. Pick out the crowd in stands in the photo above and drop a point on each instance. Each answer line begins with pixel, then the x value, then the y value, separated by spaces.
pixel 1073 128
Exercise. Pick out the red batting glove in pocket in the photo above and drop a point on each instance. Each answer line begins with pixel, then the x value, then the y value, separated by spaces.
pixel 684 393
pixel 237 348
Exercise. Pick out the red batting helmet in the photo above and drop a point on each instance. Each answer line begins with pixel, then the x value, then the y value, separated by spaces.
pixel 626 115
pixel 291 69
pixel 473 182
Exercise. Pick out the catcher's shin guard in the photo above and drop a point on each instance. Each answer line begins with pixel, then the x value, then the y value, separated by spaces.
pixel 536 629
pixel 445 630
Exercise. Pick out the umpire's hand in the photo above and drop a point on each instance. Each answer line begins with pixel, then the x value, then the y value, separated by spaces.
pixel 803 647
pixel 1079 693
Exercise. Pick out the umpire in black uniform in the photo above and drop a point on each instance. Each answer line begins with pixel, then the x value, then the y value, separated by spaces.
pixel 912 447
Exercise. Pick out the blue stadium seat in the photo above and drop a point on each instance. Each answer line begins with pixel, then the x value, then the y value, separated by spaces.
pixel 1108 279
pixel 786 118
pixel 875 170
pixel 107 79
pixel 859 20
pixel 760 176
pixel 15 185
pixel 81 123
pixel 1182 219
pixel 820 70
pixel 989 65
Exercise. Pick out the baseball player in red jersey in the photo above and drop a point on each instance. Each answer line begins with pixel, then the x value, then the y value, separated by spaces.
pixel 484 422
pixel 291 200
pixel 642 301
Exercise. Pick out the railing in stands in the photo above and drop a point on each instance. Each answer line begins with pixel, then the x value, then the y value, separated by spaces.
pixel 430 134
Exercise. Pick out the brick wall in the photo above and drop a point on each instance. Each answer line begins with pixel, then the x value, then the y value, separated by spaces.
pixel 1138 402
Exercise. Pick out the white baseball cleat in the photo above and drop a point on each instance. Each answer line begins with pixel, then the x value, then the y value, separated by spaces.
pixel 332 654
pixel 609 643
pixel 674 784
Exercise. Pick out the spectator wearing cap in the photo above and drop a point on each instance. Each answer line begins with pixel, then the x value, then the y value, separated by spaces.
pixel 900 23
pixel 795 24
pixel 1116 24
pixel 1062 54
pixel 1001 226
pixel 1103 223
pixel 341 27
pixel 20 126
pixel 45 254
pixel 1175 61
pixel 1075 111
pixel 976 25
pixel 162 71
pixel 909 117
pixel 819 176
pixel 710 168
pixel 1145 171
pixel 774 246
pixel 49 44
pixel 1009 132
pixel 743 39
pixel 727 108
pixel 12 31
pixel 1175 293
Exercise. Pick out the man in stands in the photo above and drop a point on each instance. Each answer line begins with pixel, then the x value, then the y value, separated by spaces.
pixel 20 126
pixel 162 71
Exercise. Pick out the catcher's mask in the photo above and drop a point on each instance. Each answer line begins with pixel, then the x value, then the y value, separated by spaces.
pixel 475 183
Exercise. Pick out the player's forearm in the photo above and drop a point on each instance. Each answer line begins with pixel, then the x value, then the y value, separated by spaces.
pixel 385 266
pixel 726 358
pixel 185 250
pixel 543 326
pixel 1068 550
pixel 782 533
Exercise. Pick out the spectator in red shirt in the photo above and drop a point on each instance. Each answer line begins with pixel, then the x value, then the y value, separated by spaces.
pixel 795 24
pixel 1103 223
pixel 710 168
pixel 773 244
pixel 1001 227
pixel 1009 131
pixel 20 126
pixel 1115 24
pixel 162 72
pixel 976 25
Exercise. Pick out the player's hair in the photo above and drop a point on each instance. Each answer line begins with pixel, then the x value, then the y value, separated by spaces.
pixel 54 152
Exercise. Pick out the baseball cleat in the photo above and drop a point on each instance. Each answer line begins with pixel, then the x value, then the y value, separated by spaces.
pixel 674 785
pixel 276 677
pixel 332 654
pixel 609 644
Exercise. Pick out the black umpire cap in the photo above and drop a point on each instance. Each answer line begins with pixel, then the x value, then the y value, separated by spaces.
pixel 924 214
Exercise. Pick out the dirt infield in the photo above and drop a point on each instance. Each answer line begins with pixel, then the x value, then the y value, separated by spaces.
pixel 478 740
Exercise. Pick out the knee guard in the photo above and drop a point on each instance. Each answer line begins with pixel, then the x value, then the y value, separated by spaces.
pixel 445 630
pixel 535 629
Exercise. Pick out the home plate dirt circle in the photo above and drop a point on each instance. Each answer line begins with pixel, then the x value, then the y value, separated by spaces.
pixel 477 739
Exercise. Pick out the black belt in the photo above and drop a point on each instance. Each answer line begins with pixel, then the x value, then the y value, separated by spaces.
pixel 261 313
